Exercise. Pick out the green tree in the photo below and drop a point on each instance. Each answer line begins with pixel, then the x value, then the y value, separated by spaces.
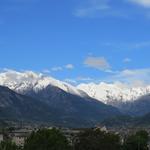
pixel 8 145
pixel 138 141
pixel 46 139
pixel 97 140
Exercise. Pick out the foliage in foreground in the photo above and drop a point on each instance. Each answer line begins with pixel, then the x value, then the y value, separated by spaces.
pixel 46 140
pixel 138 141
pixel 91 139
pixel 8 145
pixel 97 140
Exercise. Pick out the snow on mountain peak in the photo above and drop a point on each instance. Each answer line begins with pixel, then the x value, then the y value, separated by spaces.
pixel 116 92
pixel 24 81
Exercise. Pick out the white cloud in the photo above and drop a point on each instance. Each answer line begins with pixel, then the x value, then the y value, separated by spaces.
pixel 136 76
pixel 91 7
pixel 104 8
pixel 69 66
pixel 127 60
pixel 79 80
pixel 46 71
pixel 60 68
pixel 127 46
pixel 90 11
pixel 57 69
pixel 99 8
pixel 99 63
pixel 141 44
pixel 144 3
pixel 129 77
pixel 72 81
pixel 84 79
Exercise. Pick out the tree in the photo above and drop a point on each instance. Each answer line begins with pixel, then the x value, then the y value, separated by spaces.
pixel 97 140
pixel 137 141
pixel 8 145
pixel 46 139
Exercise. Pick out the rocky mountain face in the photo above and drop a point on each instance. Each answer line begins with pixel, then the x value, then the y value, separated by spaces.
pixel 139 107
pixel 15 106
pixel 32 97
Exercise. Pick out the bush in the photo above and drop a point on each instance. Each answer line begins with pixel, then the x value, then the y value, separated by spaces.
pixel 138 141
pixel 8 145
pixel 46 139
pixel 97 140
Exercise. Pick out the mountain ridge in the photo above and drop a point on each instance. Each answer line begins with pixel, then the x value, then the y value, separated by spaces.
pixel 22 82
pixel 128 99
pixel 58 108
pixel 109 93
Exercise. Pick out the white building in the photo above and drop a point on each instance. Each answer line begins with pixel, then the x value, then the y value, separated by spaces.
pixel 1 137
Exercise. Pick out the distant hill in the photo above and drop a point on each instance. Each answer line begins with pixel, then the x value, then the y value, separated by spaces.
pixel 134 101
pixel 54 106
pixel 126 121
pixel 139 107
pixel 15 106
pixel 144 120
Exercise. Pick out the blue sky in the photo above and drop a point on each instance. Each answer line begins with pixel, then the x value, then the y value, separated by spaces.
pixel 77 40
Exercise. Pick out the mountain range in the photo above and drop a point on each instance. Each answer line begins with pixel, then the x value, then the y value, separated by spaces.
pixel 33 97
pixel 37 97
pixel 131 100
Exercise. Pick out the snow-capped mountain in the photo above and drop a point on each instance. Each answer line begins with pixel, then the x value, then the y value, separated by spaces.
pixel 21 82
pixel 129 99
pixel 114 93
pixel 58 94
pixel 32 96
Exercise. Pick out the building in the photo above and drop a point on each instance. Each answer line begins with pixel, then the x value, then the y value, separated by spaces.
pixel 1 137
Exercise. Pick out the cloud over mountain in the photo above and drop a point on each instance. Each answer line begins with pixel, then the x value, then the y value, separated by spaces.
pixel 145 3
pixel 99 63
